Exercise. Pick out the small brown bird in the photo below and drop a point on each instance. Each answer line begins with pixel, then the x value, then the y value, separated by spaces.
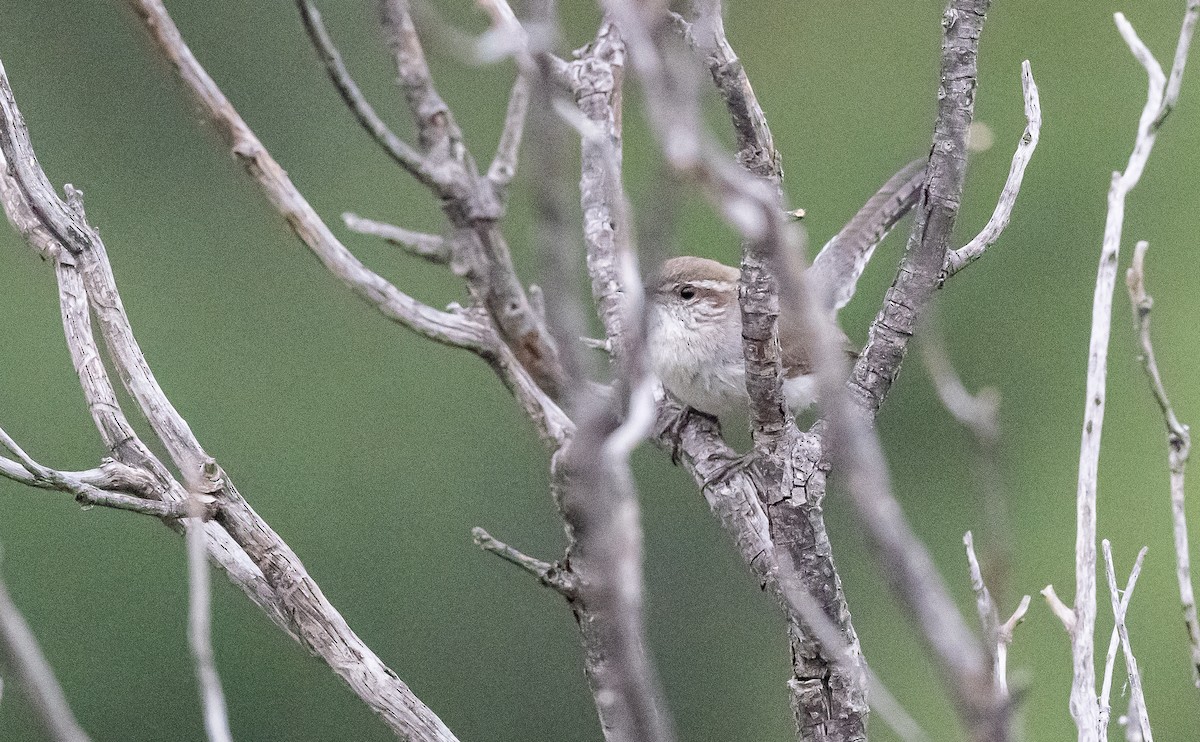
pixel 695 330
pixel 695 339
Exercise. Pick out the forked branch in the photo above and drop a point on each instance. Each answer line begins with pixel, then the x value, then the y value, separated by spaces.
pixel 253 555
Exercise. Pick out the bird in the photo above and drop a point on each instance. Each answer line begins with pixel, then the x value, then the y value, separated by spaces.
pixel 694 339
pixel 694 331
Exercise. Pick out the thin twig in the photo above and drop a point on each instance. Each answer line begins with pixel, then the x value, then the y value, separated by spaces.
pixel 551 575
pixel 504 165
pixel 108 486
pixel 1179 446
pixel 1120 605
pixel 1181 54
pixel 1061 610
pixel 998 635
pixel 1083 688
pixel 397 149
pixel 958 259
pixel 21 656
pixel 216 717
pixel 431 247
pixel 89 495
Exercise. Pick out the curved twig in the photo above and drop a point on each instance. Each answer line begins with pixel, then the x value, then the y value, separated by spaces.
pixel 958 259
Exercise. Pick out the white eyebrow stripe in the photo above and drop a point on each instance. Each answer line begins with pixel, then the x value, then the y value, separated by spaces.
pixel 709 284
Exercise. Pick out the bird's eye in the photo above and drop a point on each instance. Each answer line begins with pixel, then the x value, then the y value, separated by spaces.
pixel 687 292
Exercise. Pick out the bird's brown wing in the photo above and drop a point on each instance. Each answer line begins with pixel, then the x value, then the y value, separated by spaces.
pixel 797 355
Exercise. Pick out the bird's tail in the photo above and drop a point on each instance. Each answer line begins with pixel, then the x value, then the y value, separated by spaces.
pixel 842 260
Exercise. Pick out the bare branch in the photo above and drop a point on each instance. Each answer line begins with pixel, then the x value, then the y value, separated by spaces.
pixel 21 656
pixel 1059 609
pixel 216 718
pixel 920 269
pixel 473 207
pixel 504 165
pixel 1120 605
pixel 853 445
pixel 431 247
pixel 828 696
pixel 596 493
pixel 438 132
pixel 449 328
pixel 22 185
pixel 997 635
pixel 596 79
pixel 397 149
pixel 276 579
pixel 87 493
pixel 1179 446
pixel 755 146
pixel 1171 96
pixel 591 480
pixel 958 259
pixel 551 575
pixel 1083 691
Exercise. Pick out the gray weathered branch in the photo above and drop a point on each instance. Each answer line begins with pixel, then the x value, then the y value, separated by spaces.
pixel 1179 446
pixel 958 259
pixel 527 365
pixel 997 635
pixel 920 269
pixel 1084 707
pixel 273 575
pixel 400 151
pixel 473 206
pixel 431 247
pixel 828 696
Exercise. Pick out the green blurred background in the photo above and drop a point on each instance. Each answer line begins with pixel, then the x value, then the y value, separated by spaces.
pixel 374 452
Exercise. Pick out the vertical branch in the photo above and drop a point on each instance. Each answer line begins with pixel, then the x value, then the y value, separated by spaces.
pixel 590 474
pixel 216 717
pixel 1179 446
pixel 828 695
pixel 937 211
pixel 761 258
pixel 854 447
pixel 1083 689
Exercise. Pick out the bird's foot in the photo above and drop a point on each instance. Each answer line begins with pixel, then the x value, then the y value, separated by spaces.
pixel 673 429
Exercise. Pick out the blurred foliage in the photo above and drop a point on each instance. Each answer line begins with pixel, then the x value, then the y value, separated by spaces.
pixel 373 452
